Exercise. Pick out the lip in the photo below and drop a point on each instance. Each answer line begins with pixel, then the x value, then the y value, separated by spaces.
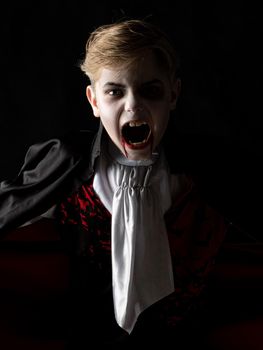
pixel 138 146
pixel 129 137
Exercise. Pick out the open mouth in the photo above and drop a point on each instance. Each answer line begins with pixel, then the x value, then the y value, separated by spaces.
pixel 136 133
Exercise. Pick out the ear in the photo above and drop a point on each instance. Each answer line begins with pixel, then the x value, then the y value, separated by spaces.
pixel 91 96
pixel 176 90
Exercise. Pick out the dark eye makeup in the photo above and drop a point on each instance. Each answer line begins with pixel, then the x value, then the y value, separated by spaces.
pixel 151 91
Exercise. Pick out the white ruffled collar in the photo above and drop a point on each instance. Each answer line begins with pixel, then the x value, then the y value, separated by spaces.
pixel 137 193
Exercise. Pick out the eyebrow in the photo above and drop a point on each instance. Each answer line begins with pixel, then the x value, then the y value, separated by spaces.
pixel 122 86
pixel 152 82
pixel 111 84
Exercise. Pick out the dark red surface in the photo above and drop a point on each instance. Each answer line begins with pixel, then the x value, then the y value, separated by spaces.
pixel 34 281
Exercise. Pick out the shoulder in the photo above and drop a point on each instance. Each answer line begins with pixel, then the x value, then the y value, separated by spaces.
pixel 50 169
pixel 53 156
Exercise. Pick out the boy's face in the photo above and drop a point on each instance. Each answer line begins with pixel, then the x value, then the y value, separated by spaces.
pixel 134 105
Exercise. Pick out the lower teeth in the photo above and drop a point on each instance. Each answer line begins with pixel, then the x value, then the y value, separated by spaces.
pixel 137 143
pixel 140 142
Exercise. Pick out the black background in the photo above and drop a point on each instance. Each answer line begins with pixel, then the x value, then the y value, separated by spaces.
pixel 219 114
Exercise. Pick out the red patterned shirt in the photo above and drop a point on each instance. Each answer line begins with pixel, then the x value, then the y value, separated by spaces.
pixel 195 232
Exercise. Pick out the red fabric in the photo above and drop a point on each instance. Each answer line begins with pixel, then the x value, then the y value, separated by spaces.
pixel 34 280
pixel 33 288
pixel 195 233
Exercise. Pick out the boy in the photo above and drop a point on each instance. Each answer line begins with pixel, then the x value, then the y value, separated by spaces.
pixel 145 238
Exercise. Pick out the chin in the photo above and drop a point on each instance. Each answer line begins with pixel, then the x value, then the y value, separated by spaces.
pixel 136 154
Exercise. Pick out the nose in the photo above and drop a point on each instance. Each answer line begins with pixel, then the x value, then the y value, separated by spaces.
pixel 133 103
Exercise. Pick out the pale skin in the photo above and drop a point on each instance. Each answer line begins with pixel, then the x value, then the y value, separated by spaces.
pixel 143 95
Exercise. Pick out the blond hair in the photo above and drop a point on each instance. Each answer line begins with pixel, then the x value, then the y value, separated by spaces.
pixel 123 43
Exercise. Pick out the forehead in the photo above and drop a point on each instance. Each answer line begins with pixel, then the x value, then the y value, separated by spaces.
pixel 145 68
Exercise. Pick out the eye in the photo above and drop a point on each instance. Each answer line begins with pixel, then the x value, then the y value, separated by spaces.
pixel 152 91
pixel 114 92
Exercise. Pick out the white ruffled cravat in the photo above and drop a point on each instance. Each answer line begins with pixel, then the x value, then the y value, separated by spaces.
pixel 137 193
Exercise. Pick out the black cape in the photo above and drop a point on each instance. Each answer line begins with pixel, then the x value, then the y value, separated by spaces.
pixel 50 169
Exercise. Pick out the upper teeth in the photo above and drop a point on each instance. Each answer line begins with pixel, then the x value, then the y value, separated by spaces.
pixel 136 123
